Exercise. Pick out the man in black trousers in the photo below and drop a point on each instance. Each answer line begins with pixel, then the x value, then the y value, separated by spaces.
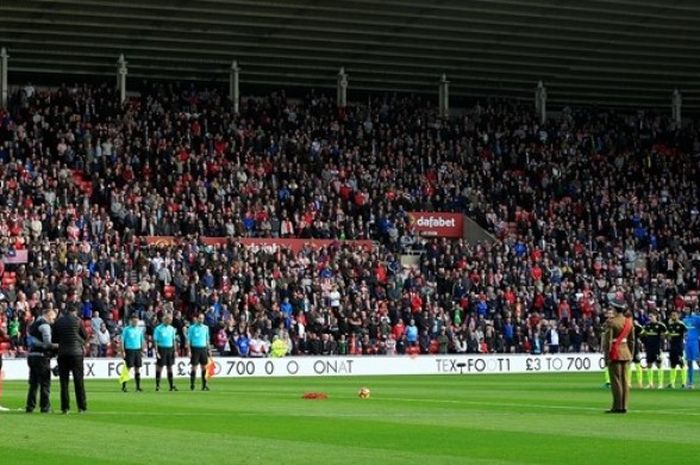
pixel 41 347
pixel 71 337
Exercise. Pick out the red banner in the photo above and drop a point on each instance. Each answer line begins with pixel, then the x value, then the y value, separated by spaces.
pixel 294 244
pixel 436 224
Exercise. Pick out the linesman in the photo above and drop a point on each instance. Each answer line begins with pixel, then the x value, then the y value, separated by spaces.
pixel 165 339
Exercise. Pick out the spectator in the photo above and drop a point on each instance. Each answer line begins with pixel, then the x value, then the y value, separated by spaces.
pixel 104 340
pixel 582 205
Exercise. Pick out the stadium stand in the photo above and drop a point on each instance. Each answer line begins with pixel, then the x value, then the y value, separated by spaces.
pixel 589 203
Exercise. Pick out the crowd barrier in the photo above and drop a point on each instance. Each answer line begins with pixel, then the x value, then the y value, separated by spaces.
pixel 233 367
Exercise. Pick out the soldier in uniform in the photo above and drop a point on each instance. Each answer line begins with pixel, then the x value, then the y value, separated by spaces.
pixel 40 351
pixel 618 347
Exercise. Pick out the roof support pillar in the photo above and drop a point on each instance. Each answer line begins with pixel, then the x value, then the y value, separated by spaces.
pixel 676 107
pixel 342 88
pixel 234 92
pixel 122 71
pixel 541 102
pixel 3 77
pixel 444 96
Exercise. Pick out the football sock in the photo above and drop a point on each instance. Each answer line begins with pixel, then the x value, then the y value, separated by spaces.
pixel 158 374
pixel 193 375
pixel 607 376
pixel 673 373
pixel 640 374
pixel 691 375
pixel 204 377
pixel 660 374
pixel 684 376
pixel 170 378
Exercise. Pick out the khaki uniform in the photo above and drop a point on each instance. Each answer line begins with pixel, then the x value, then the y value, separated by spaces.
pixel 618 368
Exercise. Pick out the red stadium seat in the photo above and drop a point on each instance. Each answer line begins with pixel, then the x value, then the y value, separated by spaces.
pixel 169 292
pixel 434 347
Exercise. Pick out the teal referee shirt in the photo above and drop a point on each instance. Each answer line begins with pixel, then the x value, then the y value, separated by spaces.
pixel 164 336
pixel 132 338
pixel 198 335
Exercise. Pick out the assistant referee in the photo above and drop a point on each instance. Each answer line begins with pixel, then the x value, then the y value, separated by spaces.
pixel 133 342
pixel 165 337
pixel 198 340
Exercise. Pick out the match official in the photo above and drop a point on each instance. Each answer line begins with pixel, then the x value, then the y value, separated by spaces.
pixel 165 338
pixel 41 348
pixel 71 337
pixel 133 343
pixel 618 347
pixel 198 340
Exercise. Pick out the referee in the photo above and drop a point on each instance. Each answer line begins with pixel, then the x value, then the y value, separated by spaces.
pixel 165 337
pixel 133 342
pixel 198 339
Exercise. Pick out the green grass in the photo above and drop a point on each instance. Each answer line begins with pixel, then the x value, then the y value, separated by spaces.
pixel 501 419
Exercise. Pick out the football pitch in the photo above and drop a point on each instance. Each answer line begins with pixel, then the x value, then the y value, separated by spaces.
pixel 487 419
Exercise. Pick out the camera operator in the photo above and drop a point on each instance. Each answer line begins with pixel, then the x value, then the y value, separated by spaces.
pixel 41 349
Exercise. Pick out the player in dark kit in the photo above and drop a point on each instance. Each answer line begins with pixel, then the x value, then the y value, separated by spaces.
pixel 636 365
pixel 676 345
pixel 652 337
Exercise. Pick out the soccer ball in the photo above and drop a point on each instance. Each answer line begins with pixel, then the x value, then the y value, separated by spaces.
pixel 363 393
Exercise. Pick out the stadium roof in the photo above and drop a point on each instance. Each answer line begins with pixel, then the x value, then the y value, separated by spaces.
pixel 608 52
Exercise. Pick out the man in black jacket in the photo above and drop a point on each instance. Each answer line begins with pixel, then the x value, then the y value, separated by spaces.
pixel 41 348
pixel 71 337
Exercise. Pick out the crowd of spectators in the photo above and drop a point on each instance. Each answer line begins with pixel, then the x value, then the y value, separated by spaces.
pixel 589 203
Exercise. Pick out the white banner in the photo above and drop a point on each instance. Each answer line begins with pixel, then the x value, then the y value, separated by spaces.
pixel 232 367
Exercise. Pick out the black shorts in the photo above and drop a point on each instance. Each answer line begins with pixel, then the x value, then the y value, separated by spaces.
pixel 637 358
pixel 132 358
pixel 675 358
pixel 653 357
pixel 166 357
pixel 200 356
